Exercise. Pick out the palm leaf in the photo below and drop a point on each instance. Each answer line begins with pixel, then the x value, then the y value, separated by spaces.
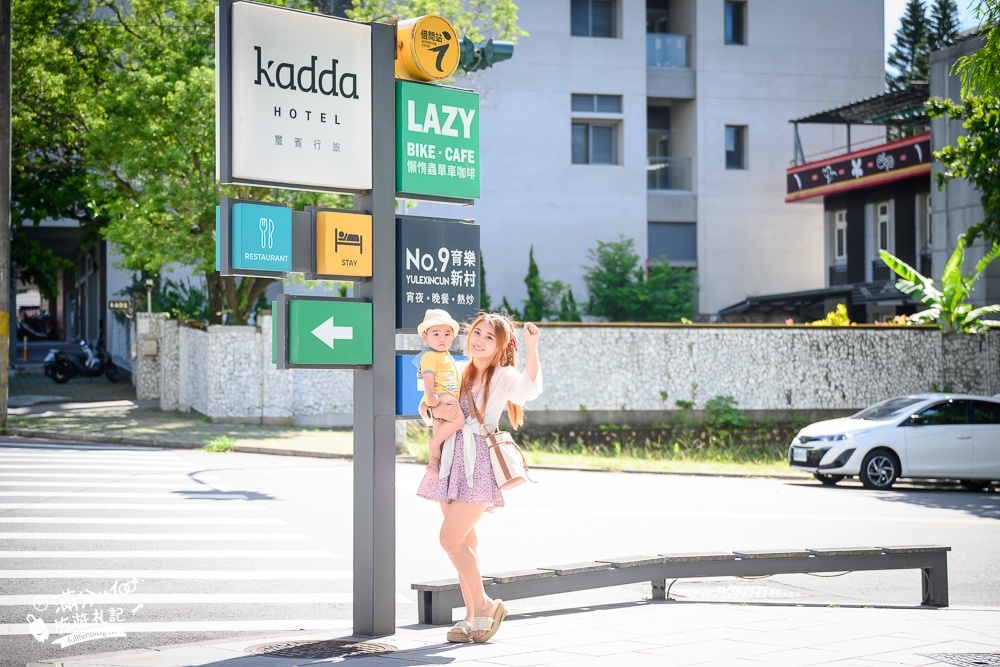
pixel 987 258
pixel 912 283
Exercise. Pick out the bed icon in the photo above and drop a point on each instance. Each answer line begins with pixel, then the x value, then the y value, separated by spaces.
pixel 343 238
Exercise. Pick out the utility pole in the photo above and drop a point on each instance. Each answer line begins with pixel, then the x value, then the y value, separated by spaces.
pixel 5 152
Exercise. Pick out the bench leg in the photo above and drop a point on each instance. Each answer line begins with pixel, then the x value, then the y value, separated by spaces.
pixel 440 611
pixel 659 589
pixel 934 582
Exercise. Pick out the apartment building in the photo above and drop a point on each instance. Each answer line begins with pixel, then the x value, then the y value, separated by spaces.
pixel 664 121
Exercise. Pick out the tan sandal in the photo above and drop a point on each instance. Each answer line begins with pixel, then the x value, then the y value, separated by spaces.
pixel 460 633
pixel 489 623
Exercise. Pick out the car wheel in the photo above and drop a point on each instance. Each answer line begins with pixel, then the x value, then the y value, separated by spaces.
pixel 974 484
pixel 827 480
pixel 113 373
pixel 879 469
pixel 59 376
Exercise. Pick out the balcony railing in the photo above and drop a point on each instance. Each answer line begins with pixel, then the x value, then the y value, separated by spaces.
pixel 668 173
pixel 665 50
pixel 838 275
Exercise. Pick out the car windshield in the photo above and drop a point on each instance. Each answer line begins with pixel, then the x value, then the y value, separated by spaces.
pixel 887 409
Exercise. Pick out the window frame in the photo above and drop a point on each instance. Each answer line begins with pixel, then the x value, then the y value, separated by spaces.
pixel 742 137
pixel 573 19
pixel 592 118
pixel 729 35
pixel 885 220
pixel 840 235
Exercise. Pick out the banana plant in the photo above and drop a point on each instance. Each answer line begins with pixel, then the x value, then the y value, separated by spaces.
pixel 948 306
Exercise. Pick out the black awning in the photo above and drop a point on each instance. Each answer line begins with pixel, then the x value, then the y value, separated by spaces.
pixel 791 303
pixel 905 105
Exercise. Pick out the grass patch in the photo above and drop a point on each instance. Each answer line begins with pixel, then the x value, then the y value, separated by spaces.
pixel 702 454
pixel 221 443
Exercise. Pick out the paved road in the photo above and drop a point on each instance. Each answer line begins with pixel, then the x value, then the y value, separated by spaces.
pixel 245 543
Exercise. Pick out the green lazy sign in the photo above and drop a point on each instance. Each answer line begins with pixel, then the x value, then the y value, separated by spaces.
pixel 321 332
pixel 437 141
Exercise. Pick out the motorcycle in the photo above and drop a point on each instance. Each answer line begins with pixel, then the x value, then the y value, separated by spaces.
pixel 37 325
pixel 64 366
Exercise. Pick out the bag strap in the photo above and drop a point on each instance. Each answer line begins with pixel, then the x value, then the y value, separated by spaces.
pixel 494 444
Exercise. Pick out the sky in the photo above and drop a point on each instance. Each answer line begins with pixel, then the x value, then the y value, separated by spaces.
pixel 894 10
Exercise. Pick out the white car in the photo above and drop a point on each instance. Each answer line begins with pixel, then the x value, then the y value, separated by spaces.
pixel 922 436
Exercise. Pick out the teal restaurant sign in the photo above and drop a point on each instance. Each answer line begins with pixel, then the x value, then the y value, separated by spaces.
pixel 258 238
pixel 437 142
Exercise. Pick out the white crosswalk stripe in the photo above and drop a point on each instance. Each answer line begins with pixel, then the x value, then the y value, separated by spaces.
pixel 227 562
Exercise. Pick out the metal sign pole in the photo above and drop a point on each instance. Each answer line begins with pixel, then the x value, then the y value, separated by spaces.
pixel 374 388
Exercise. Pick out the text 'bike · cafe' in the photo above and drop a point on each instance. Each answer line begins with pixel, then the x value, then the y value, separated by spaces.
pixel 318 103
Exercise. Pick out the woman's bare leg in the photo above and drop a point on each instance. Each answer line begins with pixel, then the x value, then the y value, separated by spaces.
pixel 473 543
pixel 459 522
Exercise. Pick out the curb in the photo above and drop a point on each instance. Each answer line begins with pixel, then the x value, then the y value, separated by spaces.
pixel 176 444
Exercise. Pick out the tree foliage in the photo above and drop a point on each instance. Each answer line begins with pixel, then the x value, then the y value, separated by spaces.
pixel 980 71
pixel 948 307
pixel 974 156
pixel 620 292
pixel 943 26
pixel 475 20
pixel 910 53
pixel 534 307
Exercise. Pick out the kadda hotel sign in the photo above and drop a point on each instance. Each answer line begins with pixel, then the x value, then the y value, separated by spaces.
pixel 294 104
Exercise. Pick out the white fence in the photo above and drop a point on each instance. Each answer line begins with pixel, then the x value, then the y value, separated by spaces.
pixel 594 373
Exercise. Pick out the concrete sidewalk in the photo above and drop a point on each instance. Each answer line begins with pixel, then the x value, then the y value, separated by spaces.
pixel 655 634
pixel 95 410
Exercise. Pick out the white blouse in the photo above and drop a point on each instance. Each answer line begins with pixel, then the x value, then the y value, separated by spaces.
pixel 508 384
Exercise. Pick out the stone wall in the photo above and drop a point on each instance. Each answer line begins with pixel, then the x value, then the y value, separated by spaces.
pixel 600 373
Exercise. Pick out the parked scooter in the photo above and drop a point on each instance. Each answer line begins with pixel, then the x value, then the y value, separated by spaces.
pixel 37 325
pixel 63 366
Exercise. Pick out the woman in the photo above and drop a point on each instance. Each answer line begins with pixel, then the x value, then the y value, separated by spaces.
pixel 466 487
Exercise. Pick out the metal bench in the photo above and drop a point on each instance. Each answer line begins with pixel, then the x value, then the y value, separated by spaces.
pixel 437 599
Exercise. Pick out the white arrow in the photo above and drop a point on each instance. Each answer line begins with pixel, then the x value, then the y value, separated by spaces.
pixel 328 333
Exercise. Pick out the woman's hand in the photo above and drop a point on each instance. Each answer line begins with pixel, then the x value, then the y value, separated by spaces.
pixel 531 334
pixel 448 409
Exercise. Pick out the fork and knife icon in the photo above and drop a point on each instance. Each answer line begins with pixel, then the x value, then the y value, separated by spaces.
pixel 266 233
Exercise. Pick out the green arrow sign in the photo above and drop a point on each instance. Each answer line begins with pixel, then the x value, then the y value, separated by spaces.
pixel 322 332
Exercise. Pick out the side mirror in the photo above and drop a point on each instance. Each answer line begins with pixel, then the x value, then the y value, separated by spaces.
pixel 915 420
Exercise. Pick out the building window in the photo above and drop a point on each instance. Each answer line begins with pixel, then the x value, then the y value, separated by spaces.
pixel 675 242
pixel 594 143
pixel 930 226
pixel 736 146
pixel 840 236
pixel 883 229
pixel 595 140
pixel 735 22
pixel 596 103
pixel 592 18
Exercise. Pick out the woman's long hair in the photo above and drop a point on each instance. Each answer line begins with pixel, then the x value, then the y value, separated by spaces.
pixel 506 355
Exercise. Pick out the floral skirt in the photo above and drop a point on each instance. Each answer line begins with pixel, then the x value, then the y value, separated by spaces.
pixel 455 487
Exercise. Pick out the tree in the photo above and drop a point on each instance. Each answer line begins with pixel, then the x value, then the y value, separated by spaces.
pixel 534 307
pixel 980 71
pixel 943 26
pixel 568 310
pixel 974 156
pixel 620 292
pixel 910 53
pixel 671 293
pixel 948 306
pixel 613 280
pixel 51 84
pixel 115 109
pixel 484 298
pixel 475 20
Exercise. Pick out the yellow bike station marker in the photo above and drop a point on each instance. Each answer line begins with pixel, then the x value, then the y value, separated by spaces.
pixel 427 48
